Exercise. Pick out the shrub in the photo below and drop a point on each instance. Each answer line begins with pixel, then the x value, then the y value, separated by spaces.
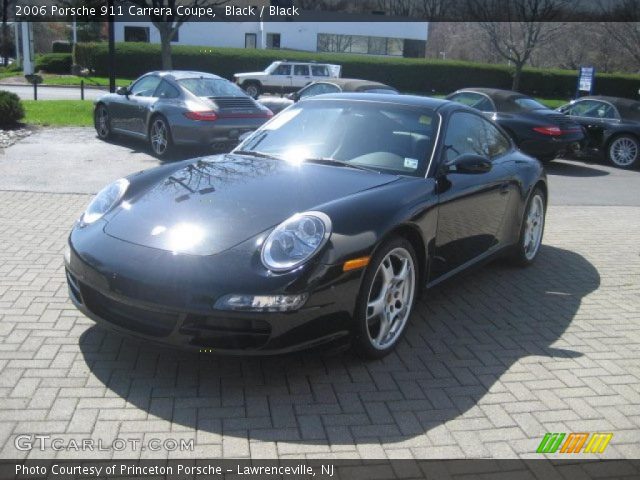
pixel 54 63
pixel 11 111
pixel 60 46
pixel 416 75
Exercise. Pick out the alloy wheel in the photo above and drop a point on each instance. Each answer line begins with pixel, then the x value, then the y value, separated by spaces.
pixel 159 136
pixel 534 226
pixel 623 151
pixel 252 90
pixel 390 298
pixel 102 122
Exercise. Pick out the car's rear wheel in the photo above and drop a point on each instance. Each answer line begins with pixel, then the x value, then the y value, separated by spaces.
pixel 386 299
pixel 252 89
pixel 102 122
pixel 160 137
pixel 624 151
pixel 532 229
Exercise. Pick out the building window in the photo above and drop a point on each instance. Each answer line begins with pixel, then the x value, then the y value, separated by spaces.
pixel 250 40
pixel 136 34
pixel 273 40
pixel 329 42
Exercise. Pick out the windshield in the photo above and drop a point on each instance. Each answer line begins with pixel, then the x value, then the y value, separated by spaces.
pixel 211 87
pixel 390 138
pixel 530 104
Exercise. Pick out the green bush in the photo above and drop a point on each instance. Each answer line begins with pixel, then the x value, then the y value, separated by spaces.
pixel 11 111
pixel 54 63
pixel 60 46
pixel 416 75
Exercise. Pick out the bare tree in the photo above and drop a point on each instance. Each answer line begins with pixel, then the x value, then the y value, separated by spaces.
pixel 169 24
pixel 423 9
pixel 4 33
pixel 626 34
pixel 525 27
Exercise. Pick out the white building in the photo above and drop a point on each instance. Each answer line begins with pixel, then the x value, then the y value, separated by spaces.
pixel 375 38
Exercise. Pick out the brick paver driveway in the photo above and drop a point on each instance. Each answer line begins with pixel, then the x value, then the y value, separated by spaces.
pixel 490 363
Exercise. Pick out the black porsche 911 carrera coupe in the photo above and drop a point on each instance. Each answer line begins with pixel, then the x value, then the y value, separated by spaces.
pixel 612 127
pixel 323 225
pixel 536 129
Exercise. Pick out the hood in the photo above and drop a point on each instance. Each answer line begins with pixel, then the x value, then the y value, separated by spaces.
pixel 215 203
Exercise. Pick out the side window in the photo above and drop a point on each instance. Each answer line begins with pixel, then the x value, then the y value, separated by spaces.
pixel 319 71
pixel 465 134
pixel 166 90
pixel 585 108
pixel 302 70
pixel 497 143
pixel 474 100
pixel 318 89
pixel 282 70
pixel 145 87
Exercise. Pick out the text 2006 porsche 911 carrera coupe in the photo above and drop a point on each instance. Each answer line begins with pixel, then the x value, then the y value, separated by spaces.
pixel 322 225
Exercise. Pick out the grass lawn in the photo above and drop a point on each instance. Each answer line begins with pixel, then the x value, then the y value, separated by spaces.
pixel 49 79
pixel 58 112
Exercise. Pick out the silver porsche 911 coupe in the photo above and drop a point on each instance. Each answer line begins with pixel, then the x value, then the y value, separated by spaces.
pixel 174 108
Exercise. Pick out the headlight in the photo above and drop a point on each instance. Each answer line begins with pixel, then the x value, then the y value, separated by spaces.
pixel 295 240
pixel 105 200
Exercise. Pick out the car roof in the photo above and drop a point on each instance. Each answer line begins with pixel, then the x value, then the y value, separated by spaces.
pixel 407 100
pixel 494 93
pixel 181 74
pixel 354 84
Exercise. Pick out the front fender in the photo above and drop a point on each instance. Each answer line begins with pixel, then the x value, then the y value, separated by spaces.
pixel 363 220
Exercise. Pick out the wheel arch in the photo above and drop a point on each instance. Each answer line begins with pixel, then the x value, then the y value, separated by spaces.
pixel 413 235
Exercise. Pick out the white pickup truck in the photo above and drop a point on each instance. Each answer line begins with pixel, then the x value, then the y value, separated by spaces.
pixel 284 76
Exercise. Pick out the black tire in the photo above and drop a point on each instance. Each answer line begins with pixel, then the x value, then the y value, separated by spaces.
pixel 102 122
pixel 363 342
pixel 160 139
pixel 253 89
pixel 524 254
pixel 623 151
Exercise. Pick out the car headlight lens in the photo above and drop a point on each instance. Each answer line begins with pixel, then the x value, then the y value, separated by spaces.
pixel 105 200
pixel 261 303
pixel 295 240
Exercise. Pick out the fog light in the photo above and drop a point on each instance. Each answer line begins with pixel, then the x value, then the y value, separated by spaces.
pixel 261 303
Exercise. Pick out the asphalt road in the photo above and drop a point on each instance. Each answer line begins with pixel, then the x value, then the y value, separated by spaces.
pixel 74 160
pixel 53 93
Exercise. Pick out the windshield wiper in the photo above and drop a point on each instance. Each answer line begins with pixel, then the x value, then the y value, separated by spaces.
pixel 253 153
pixel 339 163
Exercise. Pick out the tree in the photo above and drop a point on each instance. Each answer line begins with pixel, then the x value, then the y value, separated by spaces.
pixel 524 28
pixel 5 43
pixel 626 34
pixel 168 25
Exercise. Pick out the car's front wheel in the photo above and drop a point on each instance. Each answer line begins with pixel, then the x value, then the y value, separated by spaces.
pixel 624 151
pixel 532 229
pixel 386 298
pixel 102 122
pixel 160 137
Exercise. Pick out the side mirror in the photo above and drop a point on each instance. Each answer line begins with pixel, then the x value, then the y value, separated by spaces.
pixel 469 163
pixel 123 91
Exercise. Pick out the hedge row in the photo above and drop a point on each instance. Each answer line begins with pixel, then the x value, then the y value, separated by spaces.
pixel 54 63
pixel 406 74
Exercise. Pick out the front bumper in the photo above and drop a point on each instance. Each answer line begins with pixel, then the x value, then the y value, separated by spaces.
pixel 164 298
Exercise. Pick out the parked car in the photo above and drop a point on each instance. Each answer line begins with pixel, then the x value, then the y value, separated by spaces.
pixel 173 108
pixel 536 129
pixel 334 85
pixel 325 223
pixel 283 76
pixel 612 127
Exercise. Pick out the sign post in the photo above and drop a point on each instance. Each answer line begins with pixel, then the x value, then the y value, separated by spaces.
pixel 586 79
